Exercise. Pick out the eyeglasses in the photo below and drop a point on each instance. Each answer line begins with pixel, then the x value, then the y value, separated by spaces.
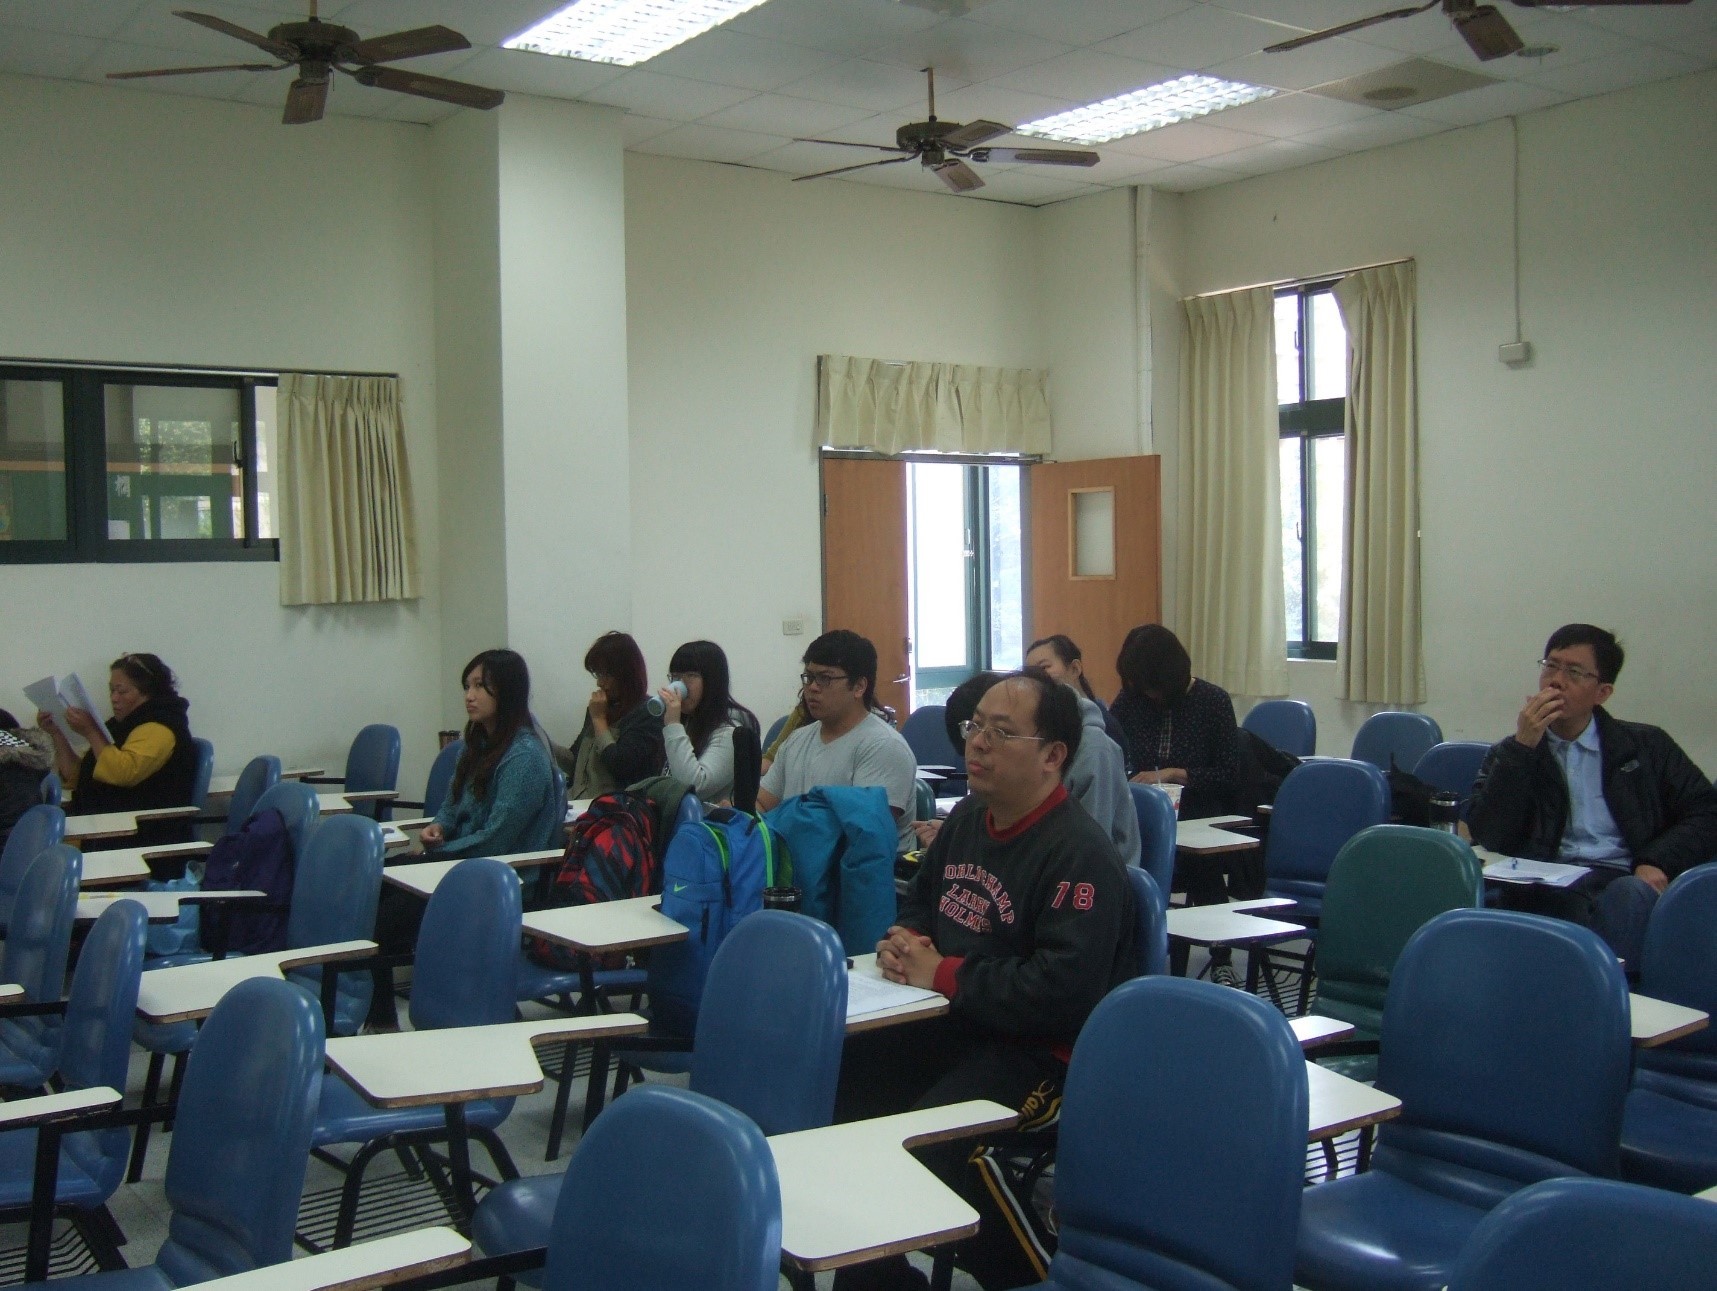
pixel 683 677
pixel 1573 672
pixel 821 679
pixel 970 730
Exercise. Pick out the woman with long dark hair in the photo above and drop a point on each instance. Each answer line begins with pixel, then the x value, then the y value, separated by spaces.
pixel 503 782
pixel 1180 729
pixel 621 742
pixel 698 729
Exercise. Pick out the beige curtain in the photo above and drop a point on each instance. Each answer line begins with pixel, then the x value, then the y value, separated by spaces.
pixel 347 531
pixel 946 407
pixel 1381 652
pixel 1230 596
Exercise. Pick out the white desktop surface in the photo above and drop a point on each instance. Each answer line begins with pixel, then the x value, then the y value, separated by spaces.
pixel 607 926
pixel 358 1267
pixel 190 991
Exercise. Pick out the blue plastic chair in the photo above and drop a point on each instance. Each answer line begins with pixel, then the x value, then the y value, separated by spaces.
pixel 662 1143
pixel 1499 1090
pixel 53 791
pixel 298 805
pixel 95 1049
pixel 1452 766
pixel 1288 725
pixel 1319 807
pixel 1199 1184
pixel 260 775
pixel 926 733
pixel 1151 931
pixel 774 730
pixel 1157 826
pixel 768 1043
pixel 1591 1235
pixel 1669 1131
pixel 462 976
pixel 205 772
pixel 1396 739
pixel 236 1168
pixel 37 944
pixel 441 777
pixel 36 830
pixel 335 888
pixel 373 763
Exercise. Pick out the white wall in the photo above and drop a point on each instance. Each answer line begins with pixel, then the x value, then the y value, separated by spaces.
pixel 145 228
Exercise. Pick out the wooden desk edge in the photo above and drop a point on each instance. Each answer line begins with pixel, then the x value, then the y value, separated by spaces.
pixel 404 1272
pixel 1335 1131
pixel 823 1263
pixel 1687 1029
pixel 967 1131
pixel 358 950
pixel 610 947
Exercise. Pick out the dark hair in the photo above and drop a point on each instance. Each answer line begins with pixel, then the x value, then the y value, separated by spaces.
pixel 1153 661
pixel 503 675
pixel 963 702
pixel 1069 653
pixel 1605 647
pixel 7 720
pixel 852 654
pixel 615 655
pixel 1058 717
pixel 717 706
pixel 149 674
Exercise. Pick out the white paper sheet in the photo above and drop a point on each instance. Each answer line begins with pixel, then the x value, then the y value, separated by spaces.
pixel 45 695
pixel 868 994
pixel 1552 874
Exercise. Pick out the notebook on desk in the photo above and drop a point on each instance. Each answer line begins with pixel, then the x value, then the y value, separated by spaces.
pixel 1550 874
pixel 870 994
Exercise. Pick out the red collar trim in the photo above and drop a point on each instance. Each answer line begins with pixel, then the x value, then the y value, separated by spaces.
pixel 1057 796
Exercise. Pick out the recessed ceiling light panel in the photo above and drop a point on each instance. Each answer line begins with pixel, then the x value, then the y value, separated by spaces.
pixel 1151 108
pixel 626 32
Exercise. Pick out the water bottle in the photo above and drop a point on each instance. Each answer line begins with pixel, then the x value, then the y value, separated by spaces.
pixel 1445 812
pixel 655 705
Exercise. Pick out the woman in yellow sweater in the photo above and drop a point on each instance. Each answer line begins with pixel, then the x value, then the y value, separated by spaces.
pixel 142 758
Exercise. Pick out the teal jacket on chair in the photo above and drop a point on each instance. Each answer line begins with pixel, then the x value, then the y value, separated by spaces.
pixel 842 844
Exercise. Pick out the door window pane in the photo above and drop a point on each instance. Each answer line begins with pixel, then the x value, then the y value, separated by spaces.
pixel 1329 500
pixel 32 461
pixel 171 468
pixel 939 556
pixel 1007 606
pixel 1288 348
pixel 1293 553
pixel 1329 348
pixel 1093 533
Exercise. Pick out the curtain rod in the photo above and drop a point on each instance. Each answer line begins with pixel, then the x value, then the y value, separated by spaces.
pixel 90 364
pixel 1301 282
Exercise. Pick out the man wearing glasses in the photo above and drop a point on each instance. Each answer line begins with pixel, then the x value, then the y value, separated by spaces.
pixel 846 742
pixel 1574 784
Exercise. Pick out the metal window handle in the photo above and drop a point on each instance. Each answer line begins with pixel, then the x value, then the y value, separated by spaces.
pixel 903 679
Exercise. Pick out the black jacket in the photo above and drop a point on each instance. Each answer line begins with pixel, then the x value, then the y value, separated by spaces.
pixel 1664 806
pixel 22 768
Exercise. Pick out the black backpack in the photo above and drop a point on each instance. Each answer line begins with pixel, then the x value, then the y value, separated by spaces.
pixel 258 857
pixel 1263 767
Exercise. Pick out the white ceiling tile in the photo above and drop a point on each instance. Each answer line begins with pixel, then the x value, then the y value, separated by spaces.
pixel 43 53
pixel 1076 22
pixel 1378 131
pixel 1575 41
pixel 1184 179
pixel 850 27
pixel 1277 154
pixel 1031 186
pixel 970 50
pixel 671 97
pixel 158 27
pixel 636 129
pixel 860 83
pixel 990 102
pixel 1300 69
pixel 547 75
pixel 874 129
pixel 1188 141
pixel 812 158
pixel 1302 15
pixel 73 17
pixel 1600 76
pixel 1666 25
pixel 779 114
pixel 1487 103
pixel 1086 76
pixel 1289 115
pixel 747 62
pixel 1195 39
pixel 424 112
pixel 1119 167
pixel 486 24
pixel 707 143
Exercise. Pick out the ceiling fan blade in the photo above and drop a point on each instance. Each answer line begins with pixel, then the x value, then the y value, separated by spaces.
pixel 1358 24
pixel 305 102
pixel 975 133
pixel 188 71
pixel 1487 32
pixel 285 53
pixel 841 170
pixel 408 44
pixel 429 87
pixel 1037 156
pixel 959 177
pixel 842 143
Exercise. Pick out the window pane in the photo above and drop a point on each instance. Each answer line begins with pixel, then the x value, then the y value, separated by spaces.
pixel 263 468
pixel 939 638
pixel 1329 348
pixel 32 461
pixel 1329 481
pixel 1093 533
pixel 170 467
pixel 1007 609
pixel 1288 348
pixel 1293 554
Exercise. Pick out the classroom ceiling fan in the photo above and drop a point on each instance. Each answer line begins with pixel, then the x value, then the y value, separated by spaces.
pixel 946 146
pixel 319 49
pixel 1487 33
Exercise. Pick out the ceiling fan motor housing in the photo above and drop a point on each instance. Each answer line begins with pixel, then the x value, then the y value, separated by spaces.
pixel 319 42
pixel 919 135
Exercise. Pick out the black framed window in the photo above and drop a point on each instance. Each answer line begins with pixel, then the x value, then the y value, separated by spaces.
pixel 1311 394
pixel 116 464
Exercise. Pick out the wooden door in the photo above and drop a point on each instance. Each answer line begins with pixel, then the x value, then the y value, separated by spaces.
pixel 1074 589
pixel 864 564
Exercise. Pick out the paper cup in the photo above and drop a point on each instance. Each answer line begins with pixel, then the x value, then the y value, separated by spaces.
pixel 1173 791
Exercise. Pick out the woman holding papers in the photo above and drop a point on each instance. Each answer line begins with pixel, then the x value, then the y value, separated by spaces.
pixel 140 759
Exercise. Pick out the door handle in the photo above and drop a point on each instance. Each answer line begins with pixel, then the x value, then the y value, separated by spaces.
pixel 903 679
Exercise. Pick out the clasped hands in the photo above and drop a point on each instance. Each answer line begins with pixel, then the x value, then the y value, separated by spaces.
pixel 908 957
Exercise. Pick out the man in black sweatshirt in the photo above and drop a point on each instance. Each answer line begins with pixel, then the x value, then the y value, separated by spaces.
pixel 1021 915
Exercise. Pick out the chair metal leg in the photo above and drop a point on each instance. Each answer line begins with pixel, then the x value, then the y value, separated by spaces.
pixel 497 1151
pixel 103 1237
pixel 1306 969
pixel 348 1217
pixel 173 1087
pixel 597 1089
pixel 562 1098
pixel 140 1137
pixel 942 1269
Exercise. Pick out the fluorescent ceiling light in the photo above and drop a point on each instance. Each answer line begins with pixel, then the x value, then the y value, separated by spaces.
pixel 1151 108
pixel 625 31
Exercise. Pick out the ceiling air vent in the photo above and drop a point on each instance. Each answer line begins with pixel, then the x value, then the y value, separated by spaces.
pixel 1418 80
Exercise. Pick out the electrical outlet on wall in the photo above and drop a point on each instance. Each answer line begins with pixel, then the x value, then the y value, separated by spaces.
pixel 792 627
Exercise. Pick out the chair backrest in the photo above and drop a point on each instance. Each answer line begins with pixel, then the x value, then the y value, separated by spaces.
pixel 465 970
pixel 772 1021
pixel 39 934
pixel 926 732
pixel 1506 1038
pixel 1386 883
pixel 1319 807
pixel 689 813
pixel 1452 766
pixel 1398 739
pixel 747 766
pixel 1151 934
pixel 1157 825
pixel 52 790
pixel 1285 724
pixel 923 800
pixel 95 1040
pixel 1679 962
pixel 298 805
pixel 549 828
pixel 40 827
pixel 260 775
pixel 373 760
pixel 659 1142
pixel 1147 1188
pixel 1591 1235
pixel 241 1139
pixel 774 730
pixel 441 776
pixel 337 882
pixel 205 770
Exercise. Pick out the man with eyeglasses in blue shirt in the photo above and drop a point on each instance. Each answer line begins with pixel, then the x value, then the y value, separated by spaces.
pixel 1577 785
